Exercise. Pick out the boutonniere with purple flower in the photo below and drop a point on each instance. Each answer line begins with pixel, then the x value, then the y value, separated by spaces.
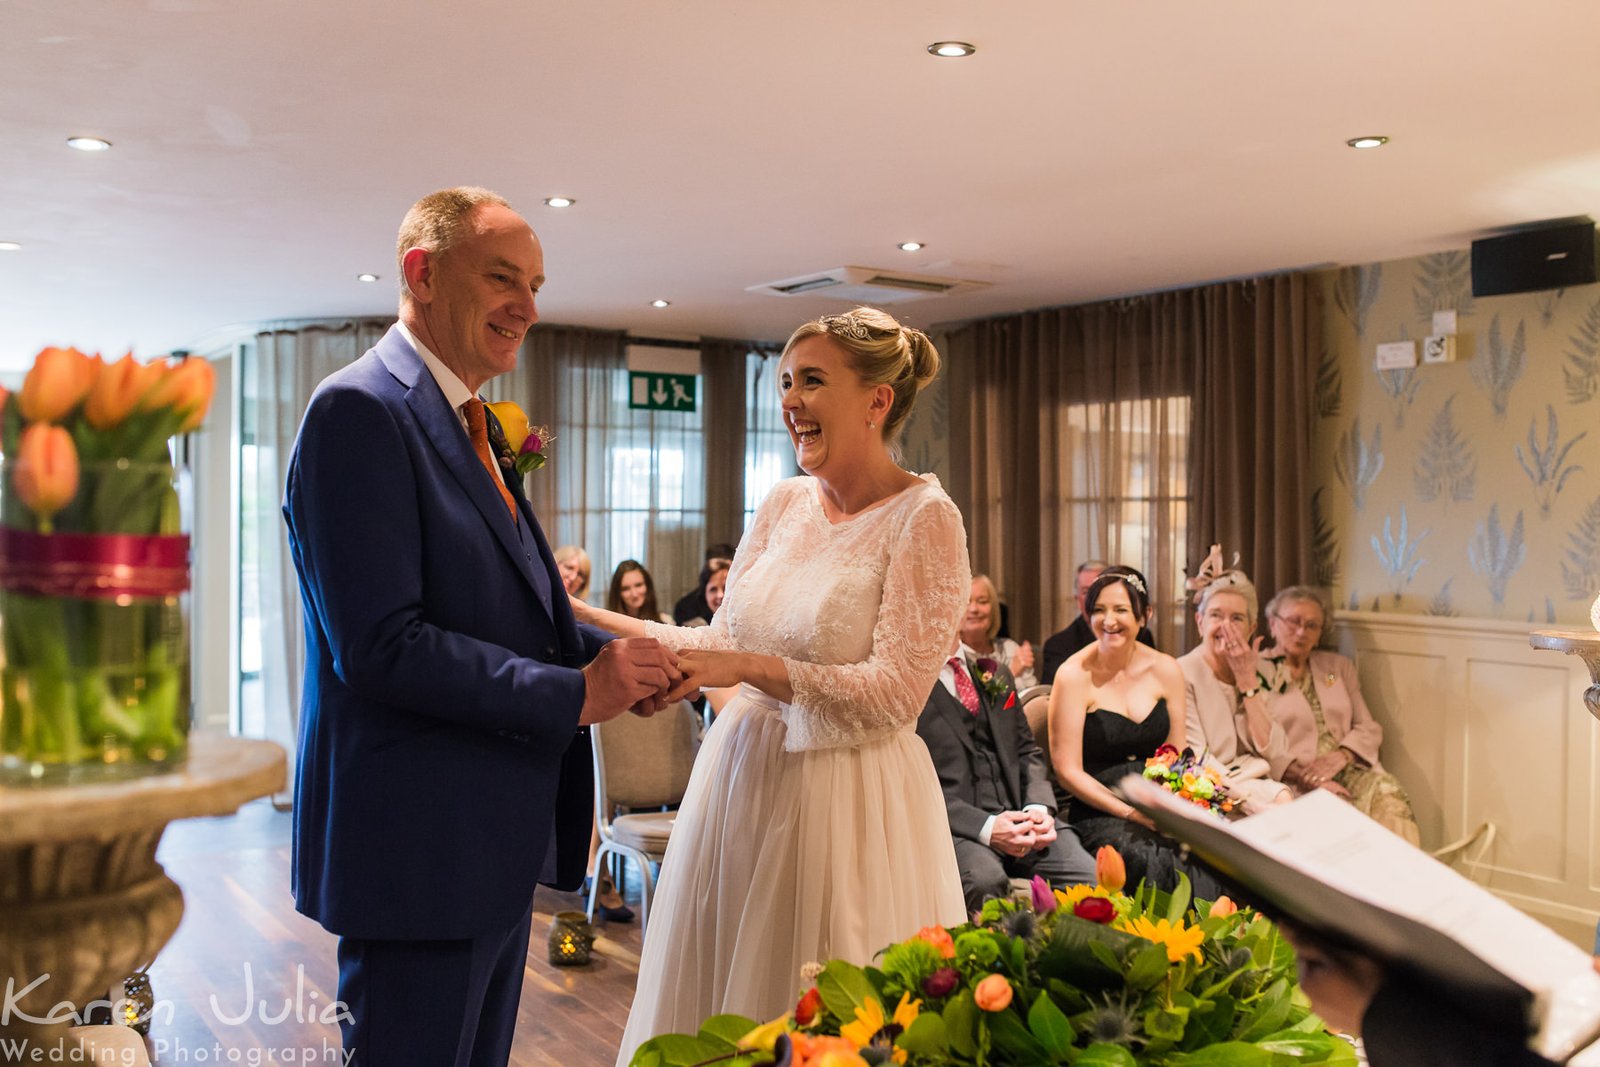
pixel 994 684
pixel 528 454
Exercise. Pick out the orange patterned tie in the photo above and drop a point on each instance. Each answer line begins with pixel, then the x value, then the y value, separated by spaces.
pixel 478 429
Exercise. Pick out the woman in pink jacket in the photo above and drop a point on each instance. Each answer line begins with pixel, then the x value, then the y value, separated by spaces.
pixel 1332 738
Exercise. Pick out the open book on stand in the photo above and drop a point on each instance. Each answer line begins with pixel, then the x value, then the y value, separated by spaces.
pixel 1323 864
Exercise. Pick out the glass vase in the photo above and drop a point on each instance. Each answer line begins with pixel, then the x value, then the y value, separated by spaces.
pixel 94 637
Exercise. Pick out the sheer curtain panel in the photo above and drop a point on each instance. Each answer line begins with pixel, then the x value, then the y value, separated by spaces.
pixel 284 366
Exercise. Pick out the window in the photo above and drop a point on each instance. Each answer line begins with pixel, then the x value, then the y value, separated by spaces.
pixel 1127 497
pixel 631 486
pixel 768 453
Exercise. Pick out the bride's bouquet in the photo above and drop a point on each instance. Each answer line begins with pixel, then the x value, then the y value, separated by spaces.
pixel 1189 777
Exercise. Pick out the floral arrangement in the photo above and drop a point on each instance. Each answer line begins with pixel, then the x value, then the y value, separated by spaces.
pixel 1091 977
pixel 994 683
pixel 92 561
pixel 528 454
pixel 1190 777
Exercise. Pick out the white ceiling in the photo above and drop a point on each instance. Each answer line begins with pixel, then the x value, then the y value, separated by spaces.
pixel 265 150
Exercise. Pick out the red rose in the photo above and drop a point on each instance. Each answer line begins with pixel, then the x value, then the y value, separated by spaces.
pixel 1096 910
pixel 805 1013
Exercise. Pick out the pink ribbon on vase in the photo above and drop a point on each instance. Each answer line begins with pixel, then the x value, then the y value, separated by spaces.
pixel 93 566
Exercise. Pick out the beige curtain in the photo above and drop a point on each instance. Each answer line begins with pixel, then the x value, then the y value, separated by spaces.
pixel 722 369
pixel 1250 481
pixel 1089 432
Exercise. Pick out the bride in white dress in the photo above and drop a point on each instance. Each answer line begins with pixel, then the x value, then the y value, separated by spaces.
pixel 814 826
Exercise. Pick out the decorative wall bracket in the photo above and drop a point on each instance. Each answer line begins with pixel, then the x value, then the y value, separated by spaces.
pixel 1585 644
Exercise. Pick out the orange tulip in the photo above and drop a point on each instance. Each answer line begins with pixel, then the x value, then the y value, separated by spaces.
pixel 57 383
pixel 993 993
pixel 1109 870
pixel 117 391
pixel 5 394
pixel 939 938
pixel 1222 907
pixel 46 472
pixel 185 388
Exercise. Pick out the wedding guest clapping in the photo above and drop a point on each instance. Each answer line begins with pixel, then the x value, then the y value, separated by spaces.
pixel 1227 697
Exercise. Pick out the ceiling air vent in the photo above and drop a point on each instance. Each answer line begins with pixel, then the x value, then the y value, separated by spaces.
pixel 866 285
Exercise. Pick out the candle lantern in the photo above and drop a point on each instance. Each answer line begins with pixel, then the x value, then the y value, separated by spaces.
pixel 571 938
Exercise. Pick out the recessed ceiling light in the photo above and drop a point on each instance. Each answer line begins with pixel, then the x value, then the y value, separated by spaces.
pixel 660 303
pixel 951 49
pixel 10 246
pixel 911 246
pixel 89 144
pixel 366 277
pixel 1367 142
pixel 559 201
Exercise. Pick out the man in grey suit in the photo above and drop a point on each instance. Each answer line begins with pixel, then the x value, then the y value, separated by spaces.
pixel 997 788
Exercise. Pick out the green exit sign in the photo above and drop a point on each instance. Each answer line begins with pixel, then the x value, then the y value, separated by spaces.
pixel 651 391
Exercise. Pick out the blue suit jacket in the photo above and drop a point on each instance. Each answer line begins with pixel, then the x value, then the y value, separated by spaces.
pixel 437 768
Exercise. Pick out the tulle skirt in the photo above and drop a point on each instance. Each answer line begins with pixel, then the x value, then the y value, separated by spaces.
pixel 779 859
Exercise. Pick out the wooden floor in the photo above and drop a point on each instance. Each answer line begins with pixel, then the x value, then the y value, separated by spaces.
pixel 246 972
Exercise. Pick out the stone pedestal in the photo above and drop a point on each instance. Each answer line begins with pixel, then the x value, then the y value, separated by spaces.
pixel 83 902
pixel 1585 644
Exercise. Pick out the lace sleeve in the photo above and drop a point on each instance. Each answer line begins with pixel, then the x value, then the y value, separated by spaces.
pixel 924 593
pixel 716 637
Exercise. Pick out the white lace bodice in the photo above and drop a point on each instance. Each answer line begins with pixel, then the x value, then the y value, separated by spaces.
pixel 862 612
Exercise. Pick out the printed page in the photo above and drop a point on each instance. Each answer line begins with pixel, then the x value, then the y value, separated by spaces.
pixel 1322 862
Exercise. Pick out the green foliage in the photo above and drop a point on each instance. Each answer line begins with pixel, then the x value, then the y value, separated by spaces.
pixel 1082 995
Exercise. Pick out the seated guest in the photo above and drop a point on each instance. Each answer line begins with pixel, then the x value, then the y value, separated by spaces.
pixel 633 593
pixel 1059 647
pixel 996 784
pixel 980 628
pixel 1332 738
pixel 692 605
pixel 1112 706
pixel 1228 718
pixel 573 563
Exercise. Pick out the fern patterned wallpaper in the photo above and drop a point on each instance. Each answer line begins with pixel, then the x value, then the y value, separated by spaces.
pixel 1467 488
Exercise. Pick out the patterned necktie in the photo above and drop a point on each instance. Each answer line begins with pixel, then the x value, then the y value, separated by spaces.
pixel 478 430
pixel 965 690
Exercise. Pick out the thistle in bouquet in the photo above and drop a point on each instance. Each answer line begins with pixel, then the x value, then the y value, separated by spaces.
pixel 1091 976
pixel 92 557
pixel 1190 777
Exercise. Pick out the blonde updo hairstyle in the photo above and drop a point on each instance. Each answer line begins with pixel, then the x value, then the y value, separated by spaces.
pixel 882 352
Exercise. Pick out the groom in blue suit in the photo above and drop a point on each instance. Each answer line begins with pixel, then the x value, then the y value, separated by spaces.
pixel 441 771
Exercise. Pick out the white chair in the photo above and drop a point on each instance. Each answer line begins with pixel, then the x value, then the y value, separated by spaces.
pixel 640 763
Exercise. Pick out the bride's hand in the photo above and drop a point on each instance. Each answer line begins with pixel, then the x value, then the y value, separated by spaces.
pixel 706 670
pixel 581 609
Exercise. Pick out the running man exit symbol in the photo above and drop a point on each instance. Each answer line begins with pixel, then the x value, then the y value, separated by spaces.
pixel 650 391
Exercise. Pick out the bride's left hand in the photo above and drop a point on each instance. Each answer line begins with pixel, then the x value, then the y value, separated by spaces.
pixel 706 670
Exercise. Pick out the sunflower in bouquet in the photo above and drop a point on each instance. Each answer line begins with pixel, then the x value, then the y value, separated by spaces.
pixel 1091 976
pixel 1190 778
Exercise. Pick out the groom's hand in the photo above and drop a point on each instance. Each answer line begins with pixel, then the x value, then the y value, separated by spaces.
pixel 630 672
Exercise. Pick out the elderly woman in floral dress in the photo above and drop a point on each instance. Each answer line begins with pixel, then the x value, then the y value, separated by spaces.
pixel 1332 738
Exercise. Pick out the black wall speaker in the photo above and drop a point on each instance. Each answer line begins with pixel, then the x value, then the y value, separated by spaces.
pixel 1553 257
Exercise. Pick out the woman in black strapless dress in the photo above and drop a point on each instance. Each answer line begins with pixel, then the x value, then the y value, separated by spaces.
pixel 1109 712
